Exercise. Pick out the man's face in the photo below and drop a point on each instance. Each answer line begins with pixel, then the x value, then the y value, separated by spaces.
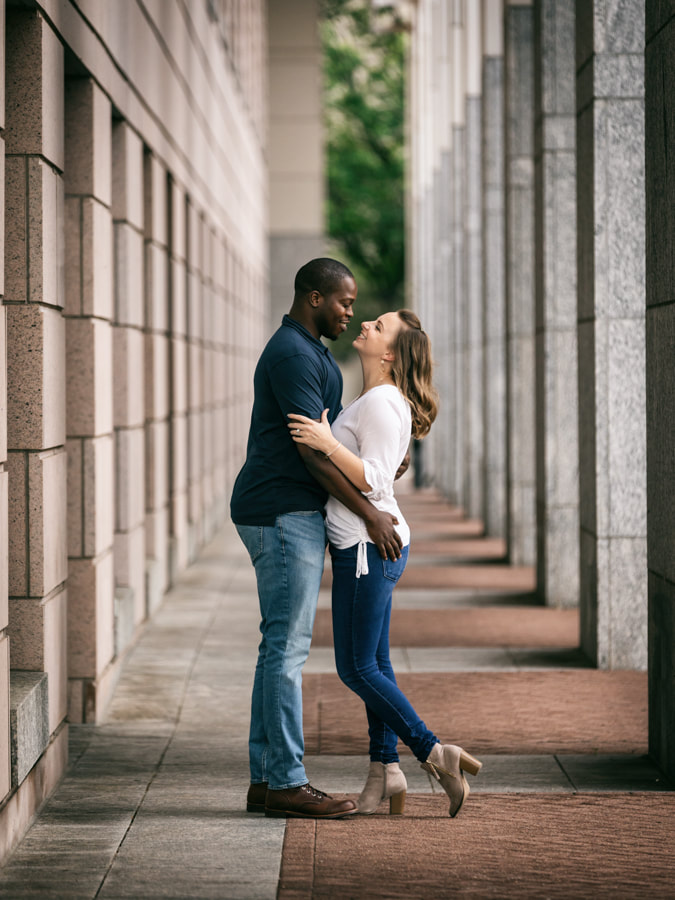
pixel 336 310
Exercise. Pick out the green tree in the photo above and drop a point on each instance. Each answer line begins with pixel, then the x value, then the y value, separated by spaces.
pixel 364 65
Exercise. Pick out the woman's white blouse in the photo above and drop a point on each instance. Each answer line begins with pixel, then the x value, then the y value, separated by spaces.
pixel 376 427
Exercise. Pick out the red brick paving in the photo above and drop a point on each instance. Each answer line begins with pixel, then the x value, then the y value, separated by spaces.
pixel 429 510
pixel 450 577
pixel 493 577
pixel 450 528
pixel 477 548
pixel 559 846
pixel 516 626
pixel 560 711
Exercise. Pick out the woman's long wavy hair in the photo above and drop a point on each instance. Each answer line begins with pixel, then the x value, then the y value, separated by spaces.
pixel 411 371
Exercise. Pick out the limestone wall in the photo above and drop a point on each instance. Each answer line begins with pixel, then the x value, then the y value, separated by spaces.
pixel 135 289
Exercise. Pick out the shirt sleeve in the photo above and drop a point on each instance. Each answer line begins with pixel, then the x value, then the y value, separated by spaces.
pixel 296 383
pixel 382 423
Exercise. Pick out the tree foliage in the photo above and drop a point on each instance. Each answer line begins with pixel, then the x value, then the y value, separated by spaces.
pixel 364 62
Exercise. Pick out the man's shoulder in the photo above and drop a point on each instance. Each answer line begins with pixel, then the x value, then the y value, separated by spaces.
pixel 287 344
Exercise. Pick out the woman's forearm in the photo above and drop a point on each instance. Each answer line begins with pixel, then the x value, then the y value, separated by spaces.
pixel 380 525
pixel 350 465
pixel 318 436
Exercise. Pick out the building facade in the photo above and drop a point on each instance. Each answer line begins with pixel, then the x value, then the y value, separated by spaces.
pixel 135 283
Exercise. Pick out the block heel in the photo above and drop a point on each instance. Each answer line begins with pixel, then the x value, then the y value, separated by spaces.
pixel 385 782
pixel 397 804
pixel 469 763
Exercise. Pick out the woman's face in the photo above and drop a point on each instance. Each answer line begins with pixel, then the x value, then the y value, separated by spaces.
pixel 377 338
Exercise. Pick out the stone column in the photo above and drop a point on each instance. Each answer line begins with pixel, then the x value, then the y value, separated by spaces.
pixel 494 290
pixel 660 191
pixel 474 466
pixel 5 762
pixel 209 332
pixel 214 484
pixel 611 332
pixel 34 298
pixel 195 375
pixel 519 142
pixel 556 301
pixel 128 390
pixel 221 484
pixel 440 261
pixel 178 382
pixel 89 369
pixel 432 288
pixel 458 252
pixel 440 249
pixel 236 452
pixel 248 324
pixel 296 179
pixel 156 378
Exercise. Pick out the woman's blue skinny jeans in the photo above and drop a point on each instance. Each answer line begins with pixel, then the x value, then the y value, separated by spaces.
pixel 361 615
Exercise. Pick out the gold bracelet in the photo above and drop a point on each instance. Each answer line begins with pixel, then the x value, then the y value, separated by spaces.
pixel 333 450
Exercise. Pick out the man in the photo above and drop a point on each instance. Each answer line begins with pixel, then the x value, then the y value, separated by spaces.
pixel 277 505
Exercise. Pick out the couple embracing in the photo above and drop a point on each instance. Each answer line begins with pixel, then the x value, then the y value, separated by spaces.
pixel 313 471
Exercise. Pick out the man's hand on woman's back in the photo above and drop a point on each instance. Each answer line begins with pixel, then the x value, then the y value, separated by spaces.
pixel 380 526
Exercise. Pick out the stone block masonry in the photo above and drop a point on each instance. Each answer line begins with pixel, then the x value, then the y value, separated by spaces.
pixel 88 181
pixel 660 350
pixel 128 385
pixel 557 443
pixel 133 185
pixel 29 722
pixel 33 635
pixel 494 296
pixel 611 311
pixel 520 320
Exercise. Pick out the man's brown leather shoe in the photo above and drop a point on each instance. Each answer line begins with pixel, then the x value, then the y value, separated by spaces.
pixel 306 802
pixel 255 799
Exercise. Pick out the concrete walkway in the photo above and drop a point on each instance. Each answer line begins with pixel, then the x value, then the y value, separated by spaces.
pixel 153 802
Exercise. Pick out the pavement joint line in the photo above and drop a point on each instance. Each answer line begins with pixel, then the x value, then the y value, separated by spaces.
pixel 133 818
pixel 186 682
pixel 565 773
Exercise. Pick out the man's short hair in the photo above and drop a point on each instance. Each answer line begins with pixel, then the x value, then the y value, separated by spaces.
pixel 323 275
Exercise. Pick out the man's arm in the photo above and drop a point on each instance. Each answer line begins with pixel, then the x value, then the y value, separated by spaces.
pixel 380 525
pixel 403 468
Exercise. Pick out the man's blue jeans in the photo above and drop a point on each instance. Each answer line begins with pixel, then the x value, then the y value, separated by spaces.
pixel 288 559
pixel 361 616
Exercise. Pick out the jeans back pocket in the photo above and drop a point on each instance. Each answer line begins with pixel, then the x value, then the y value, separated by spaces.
pixel 392 571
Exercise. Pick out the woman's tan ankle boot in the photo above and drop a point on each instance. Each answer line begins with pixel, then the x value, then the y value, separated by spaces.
pixel 384 782
pixel 447 763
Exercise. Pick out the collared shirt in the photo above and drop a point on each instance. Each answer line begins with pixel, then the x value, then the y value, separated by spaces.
pixel 295 373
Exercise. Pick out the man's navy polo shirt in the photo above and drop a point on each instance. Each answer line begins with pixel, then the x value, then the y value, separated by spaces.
pixel 295 373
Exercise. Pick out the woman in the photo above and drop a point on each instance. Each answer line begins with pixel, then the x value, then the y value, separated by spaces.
pixel 367 442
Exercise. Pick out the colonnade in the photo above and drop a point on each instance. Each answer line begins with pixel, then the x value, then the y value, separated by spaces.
pixel 533 269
